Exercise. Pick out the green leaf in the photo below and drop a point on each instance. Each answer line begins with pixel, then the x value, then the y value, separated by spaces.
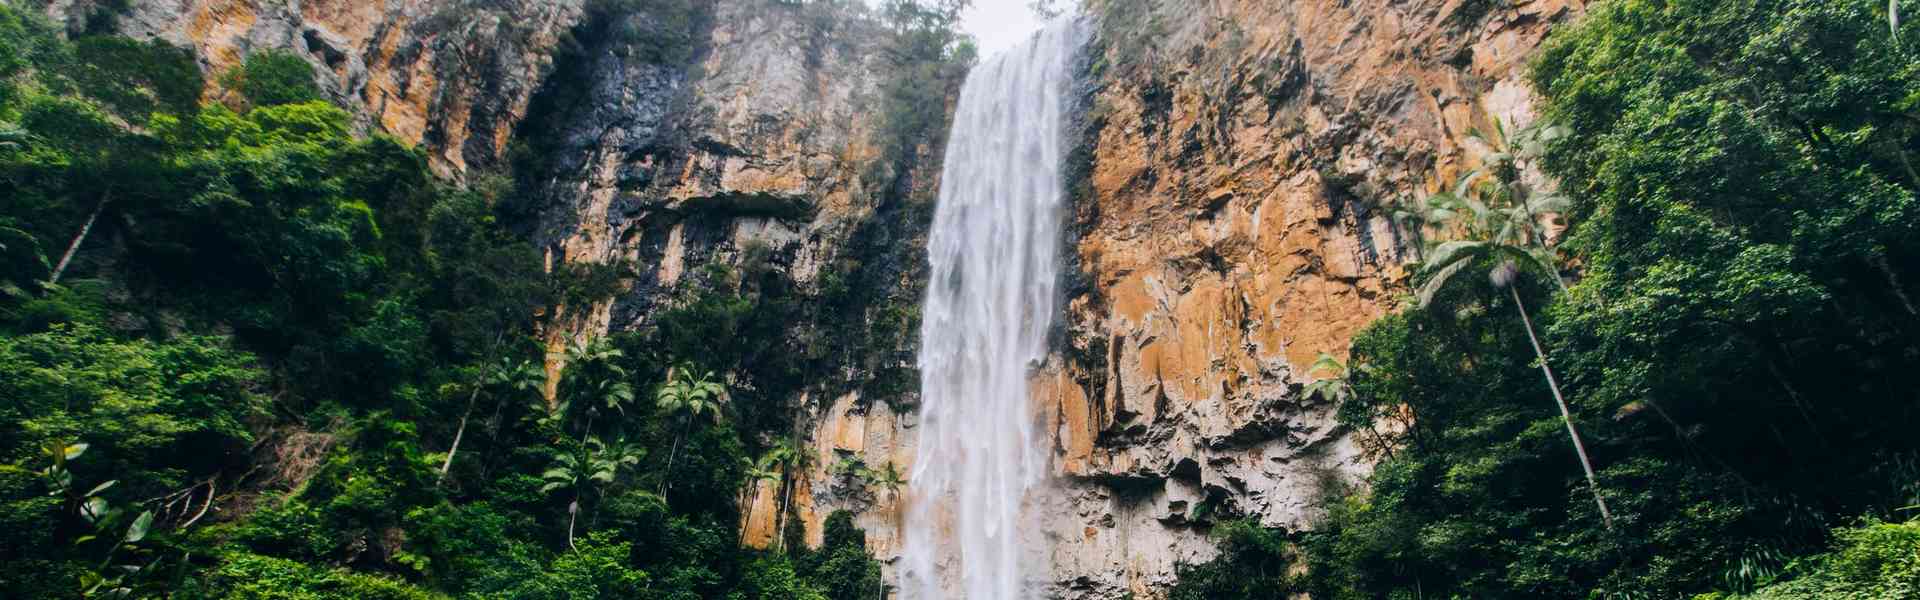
pixel 1438 281
pixel 1551 203
pixel 102 487
pixel 94 509
pixel 138 530
pixel 75 450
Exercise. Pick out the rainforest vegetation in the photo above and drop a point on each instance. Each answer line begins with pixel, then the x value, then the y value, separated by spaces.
pixel 249 351
pixel 1726 302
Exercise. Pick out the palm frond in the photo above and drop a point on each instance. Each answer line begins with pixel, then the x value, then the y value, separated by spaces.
pixel 1446 262
pixel 1550 203
pixel 1464 188
pixel 1325 389
pixel 1536 260
pixel 1450 252
pixel 1326 362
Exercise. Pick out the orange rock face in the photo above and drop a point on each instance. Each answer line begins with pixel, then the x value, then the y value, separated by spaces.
pixel 452 77
pixel 1239 158
pixel 1242 158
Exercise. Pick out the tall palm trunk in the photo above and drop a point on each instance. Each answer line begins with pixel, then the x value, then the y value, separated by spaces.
pixel 81 237
pixel 462 431
pixel 458 434
pixel 753 501
pixel 780 516
pixel 667 482
pixel 1579 447
pixel 573 514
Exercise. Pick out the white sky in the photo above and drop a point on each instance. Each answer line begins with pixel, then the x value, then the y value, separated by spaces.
pixel 999 24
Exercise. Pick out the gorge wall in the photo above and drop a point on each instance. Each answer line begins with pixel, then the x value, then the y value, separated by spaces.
pixel 453 76
pixel 1242 159
pixel 1234 169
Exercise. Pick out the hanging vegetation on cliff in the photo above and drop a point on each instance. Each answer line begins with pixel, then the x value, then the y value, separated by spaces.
pixel 1738 348
pixel 251 354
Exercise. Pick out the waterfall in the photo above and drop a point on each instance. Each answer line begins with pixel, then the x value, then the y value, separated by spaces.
pixel 991 297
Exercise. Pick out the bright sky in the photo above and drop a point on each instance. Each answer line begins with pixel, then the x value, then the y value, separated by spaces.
pixel 999 24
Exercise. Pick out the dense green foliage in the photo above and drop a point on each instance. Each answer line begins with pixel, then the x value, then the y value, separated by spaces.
pixel 1740 347
pixel 1875 560
pixel 273 77
pixel 286 361
pixel 1254 562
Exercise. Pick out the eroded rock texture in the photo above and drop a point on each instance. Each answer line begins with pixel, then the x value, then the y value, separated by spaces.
pixel 1241 159
pixel 1235 165
pixel 672 135
pixel 759 148
pixel 454 76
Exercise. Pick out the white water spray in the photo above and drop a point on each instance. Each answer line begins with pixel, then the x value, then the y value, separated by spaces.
pixel 991 298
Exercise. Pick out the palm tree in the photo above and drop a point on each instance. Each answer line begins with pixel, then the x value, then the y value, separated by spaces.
pixel 851 466
pixel 592 462
pixel 506 376
pixel 593 377
pixel 889 480
pixel 766 468
pixel 103 155
pixel 1499 223
pixel 1333 388
pixel 689 396
pixel 794 460
pixel 1499 181
pixel 1416 217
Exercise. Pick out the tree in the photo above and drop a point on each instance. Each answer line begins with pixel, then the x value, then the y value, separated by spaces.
pixel 1500 220
pixel 794 460
pixel 761 470
pixel 889 479
pixel 506 377
pixel 99 153
pixel 582 467
pixel 273 77
pixel 688 396
pixel 592 379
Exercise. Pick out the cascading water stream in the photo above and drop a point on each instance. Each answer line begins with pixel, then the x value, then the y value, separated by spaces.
pixel 990 301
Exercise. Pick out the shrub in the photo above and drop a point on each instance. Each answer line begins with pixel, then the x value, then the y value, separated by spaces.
pixel 273 77
pixel 153 412
pixel 243 576
pixel 1870 562
pixel 596 569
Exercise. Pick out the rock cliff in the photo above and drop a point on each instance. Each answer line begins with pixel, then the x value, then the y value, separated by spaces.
pixel 1241 159
pixel 664 136
pixel 454 76
pixel 1235 166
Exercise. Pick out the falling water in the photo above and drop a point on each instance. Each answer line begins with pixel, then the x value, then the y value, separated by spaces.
pixel 990 302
